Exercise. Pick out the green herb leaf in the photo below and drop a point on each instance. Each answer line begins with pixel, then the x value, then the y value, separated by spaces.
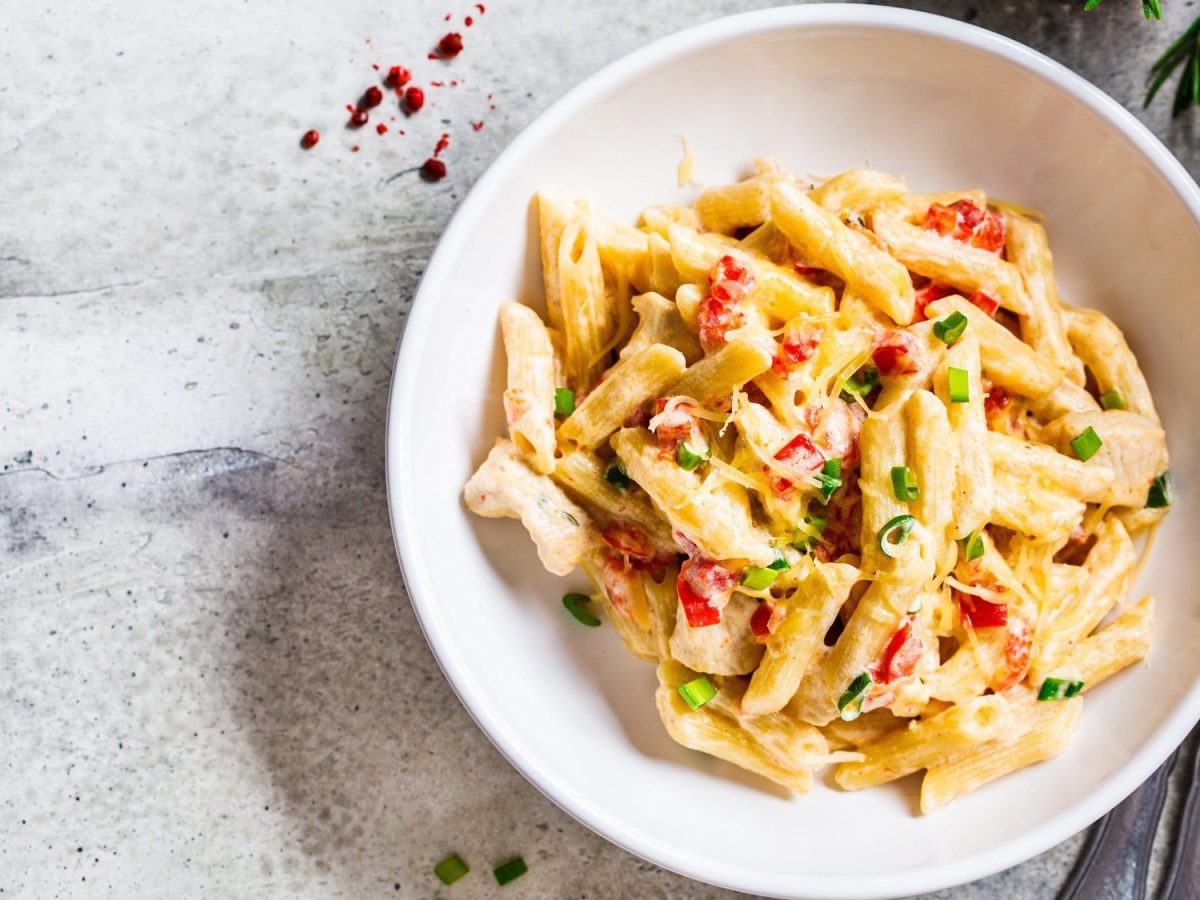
pixel 951 328
pixel 697 692
pixel 617 475
pixel 689 459
pixel 830 478
pixel 893 535
pixel 759 578
pixel 1059 689
pixel 510 871
pixel 450 869
pixel 1162 492
pixel 959 383
pixel 1112 400
pixel 972 546
pixel 850 704
pixel 904 485
pixel 564 402
pixel 1086 444
pixel 580 606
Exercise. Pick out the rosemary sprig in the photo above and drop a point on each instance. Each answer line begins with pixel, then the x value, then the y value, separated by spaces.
pixel 1182 56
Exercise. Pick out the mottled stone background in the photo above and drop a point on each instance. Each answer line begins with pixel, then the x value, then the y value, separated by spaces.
pixel 211 682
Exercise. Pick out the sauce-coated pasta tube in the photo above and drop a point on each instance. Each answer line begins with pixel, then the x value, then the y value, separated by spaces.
pixel 720 373
pixel 973 479
pixel 1102 347
pixel 529 397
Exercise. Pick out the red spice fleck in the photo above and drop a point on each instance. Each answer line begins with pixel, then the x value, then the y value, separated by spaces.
pixel 375 66
pixel 447 17
pixel 310 138
pixel 433 169
pixel 454 83
pixel 381 128
pixel 478 126
pixel 354 149
pixel 372 98
pixel 437 84
pixel 431 55
pixel 358 118
pixel 397 77
pixel 442 144
pixel 414 99
pixel 451 44
pixel 468 21
pixel 482 9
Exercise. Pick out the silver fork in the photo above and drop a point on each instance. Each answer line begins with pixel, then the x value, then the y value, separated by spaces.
pixel 1115 860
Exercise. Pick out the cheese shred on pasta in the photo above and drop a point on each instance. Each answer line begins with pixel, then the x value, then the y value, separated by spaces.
pixel 843 465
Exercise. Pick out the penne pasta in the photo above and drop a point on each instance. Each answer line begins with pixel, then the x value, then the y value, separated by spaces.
pixel 529 397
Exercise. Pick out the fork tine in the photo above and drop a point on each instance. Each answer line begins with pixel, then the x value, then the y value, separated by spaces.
pixel 1116 856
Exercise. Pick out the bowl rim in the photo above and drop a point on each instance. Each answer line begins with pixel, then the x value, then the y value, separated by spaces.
pixel 404 383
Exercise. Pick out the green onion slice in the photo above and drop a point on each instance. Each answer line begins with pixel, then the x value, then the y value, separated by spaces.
pixel 809 534
pixel 893 535
pixel 510 871
pixel 972 546
pixel 780 563
pixel 450 869
pixel 1112 400
pixel 850 704
pixel 759 578
pixel 697 692
pixel 1162 492
pixel 564 402
pixel 617 475
pixel 951 328
pixel 862 382
pixel 1086 444
pixel 904 485
pixel 689 459
pixel 580 606
pixel 1059 689
pixel 960 385
pixel 830 478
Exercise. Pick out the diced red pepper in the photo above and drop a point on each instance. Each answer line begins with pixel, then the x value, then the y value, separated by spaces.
pixel 996 398
pixel 928 294
pixel 967 223
pixel 760 622
pixel 986 303
pixel 981 613
pixel 715 318
pixel 729 281
pixel 901 655
pixel 896 354
pixel 704 587
pixel 798 344
pixel 674 428
pixel 628 540
pixel 801 454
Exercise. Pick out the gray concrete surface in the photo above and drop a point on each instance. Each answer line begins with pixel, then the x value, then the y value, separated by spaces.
pixel 211 682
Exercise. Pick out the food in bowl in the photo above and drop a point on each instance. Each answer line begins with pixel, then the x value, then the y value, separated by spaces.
pixel 839 460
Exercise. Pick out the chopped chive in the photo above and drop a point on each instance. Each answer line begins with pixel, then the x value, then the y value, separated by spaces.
pixel 1162 492
pixel 450 869
pixel 510 871
pixel 809 534
pixel 687 458
pixel 972 546
pixel 959 382
pixel 1112 400
pixel 893 535
pixel 1059 689
pixel 697 692
pixel 951 328
pixel 759 578
pixel 617 475
pixel 580 606
pixel 830 478
pixel 850 704
pixel 1086 444
pixel 862 382
pixel 780 563
pixel 904 485
pixel 564 402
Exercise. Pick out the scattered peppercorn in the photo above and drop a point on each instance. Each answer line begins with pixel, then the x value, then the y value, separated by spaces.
pixel 451 44
pixel 433 169
pixel 372 98
pixel 310 138
pixel 414 99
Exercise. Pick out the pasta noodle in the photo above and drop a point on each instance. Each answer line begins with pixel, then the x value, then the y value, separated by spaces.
pixel 841 463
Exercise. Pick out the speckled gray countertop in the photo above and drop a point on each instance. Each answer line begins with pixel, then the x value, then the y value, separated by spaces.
pixel 211 682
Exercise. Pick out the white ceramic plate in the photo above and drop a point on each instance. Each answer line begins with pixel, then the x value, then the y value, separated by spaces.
pixel 823 88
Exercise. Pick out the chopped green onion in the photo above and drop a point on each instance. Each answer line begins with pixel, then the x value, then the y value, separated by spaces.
pixel 1059 689
pixel 580 606
pixel 450 869
pixel 951 328
pixel 893 535
pixel 960 385
pixel 617 475
pixel 780 564
pixel 862 382
pixel 1086 444
pixel 759 578
pixel 1112 400
pixel 972 546
pixel 830 478
pixel 1162 492
pixel 850 704
pixel 904 486
pixel 810 533
pixel 697 692
pixel 510 871
pixel 564 402
pixel 687 458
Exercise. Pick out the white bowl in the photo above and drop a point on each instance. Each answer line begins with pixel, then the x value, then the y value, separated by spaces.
pixel 823 88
